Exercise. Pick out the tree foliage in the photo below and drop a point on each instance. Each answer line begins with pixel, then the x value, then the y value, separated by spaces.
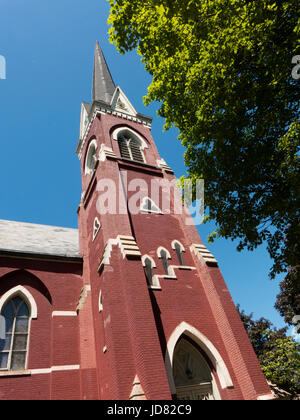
pixel 222 73
pixel 288 300
pixel 278 354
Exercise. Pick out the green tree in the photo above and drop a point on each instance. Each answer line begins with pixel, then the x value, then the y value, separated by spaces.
pixel 278 354
pixel 281 363
pixel 222 73
pixel 288 300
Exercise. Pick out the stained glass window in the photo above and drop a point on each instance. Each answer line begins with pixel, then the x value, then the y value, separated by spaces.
pixel 13 349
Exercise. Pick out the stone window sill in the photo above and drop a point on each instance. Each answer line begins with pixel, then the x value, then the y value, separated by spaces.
pixel 154 287
pixel 9 373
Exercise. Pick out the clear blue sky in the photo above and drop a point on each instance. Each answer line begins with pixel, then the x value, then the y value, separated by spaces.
pixel 49 48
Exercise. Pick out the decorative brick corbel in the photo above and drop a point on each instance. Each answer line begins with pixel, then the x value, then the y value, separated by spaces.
pixel 204 255
pixel 164 166
pixel 137 392
pixel 105 153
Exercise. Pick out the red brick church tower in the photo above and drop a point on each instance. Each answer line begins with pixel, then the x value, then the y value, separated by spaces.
pixel 164 324
pixel 140 310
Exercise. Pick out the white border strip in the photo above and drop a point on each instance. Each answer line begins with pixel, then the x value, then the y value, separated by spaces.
pixel 54 369
pixel 63 313
pixel 267 397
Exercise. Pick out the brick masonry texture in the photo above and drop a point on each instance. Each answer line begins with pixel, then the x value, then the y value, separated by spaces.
pixel 94 354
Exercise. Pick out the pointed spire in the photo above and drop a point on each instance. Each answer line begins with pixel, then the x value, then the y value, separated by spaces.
pixel 103 84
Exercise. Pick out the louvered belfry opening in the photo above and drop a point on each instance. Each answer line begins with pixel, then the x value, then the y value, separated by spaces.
pixel 130 148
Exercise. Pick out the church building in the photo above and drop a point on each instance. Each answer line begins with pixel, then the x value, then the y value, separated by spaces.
pixel 132 305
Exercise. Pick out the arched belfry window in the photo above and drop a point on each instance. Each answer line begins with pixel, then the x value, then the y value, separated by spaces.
pixel 192 375
pixel 13 349
pixel 131 145
pixel 91 158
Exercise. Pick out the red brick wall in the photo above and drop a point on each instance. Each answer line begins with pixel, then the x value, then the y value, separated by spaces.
pixel 54 341
pixel 96 355
pixel 136 323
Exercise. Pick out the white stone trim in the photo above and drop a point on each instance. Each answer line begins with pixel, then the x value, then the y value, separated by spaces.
pixel 144 257
pixel 182 248
pixel 106 152
pixel 84 120
pixel 127 245
pixel 203 254
pixel 100 302
pixel 44 371
pixel 164 166
pixel 87 170
pixel 54 369
pixel 102 109
pixel 119 130
pixel 64 313
pixel 266 397
pixel 82 297
pixel 158 211
pixel 164 276
pixel 105 259
pixel 179 267
pixel 128 107
pixel 20 290
pixel 155 279
pixel 96 228
pixel 161 248
pixel 137 392
pixel 67 367
pixel 205 344
pixel 8 373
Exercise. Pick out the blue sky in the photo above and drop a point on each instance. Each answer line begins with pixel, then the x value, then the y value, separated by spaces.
pixel 49 48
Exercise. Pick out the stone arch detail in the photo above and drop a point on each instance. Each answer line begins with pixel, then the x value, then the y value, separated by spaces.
pixel 24 293
pixel 205 344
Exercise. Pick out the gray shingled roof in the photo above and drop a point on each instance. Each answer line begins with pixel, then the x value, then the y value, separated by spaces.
pixel 103 84
pixel 27 238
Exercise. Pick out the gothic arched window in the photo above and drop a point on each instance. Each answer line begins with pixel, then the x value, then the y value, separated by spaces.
pixel 13 349
pixel 148 266
pixel 178 247
pixel 152 279
pixel 192 375
pixel 164 255
pixel 130 147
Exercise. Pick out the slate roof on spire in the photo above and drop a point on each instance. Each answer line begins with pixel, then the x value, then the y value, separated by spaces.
pixel 103 84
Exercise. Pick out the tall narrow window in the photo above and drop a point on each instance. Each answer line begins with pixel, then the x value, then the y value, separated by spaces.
pixel 91 158
pixel 164 260
pixel 13 350
pixel 152 279
pixel 130 147
pixel 164 255
pixel 179 252
pixel 148 271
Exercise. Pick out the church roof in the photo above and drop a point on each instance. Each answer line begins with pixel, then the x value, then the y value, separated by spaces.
pixel 27 238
